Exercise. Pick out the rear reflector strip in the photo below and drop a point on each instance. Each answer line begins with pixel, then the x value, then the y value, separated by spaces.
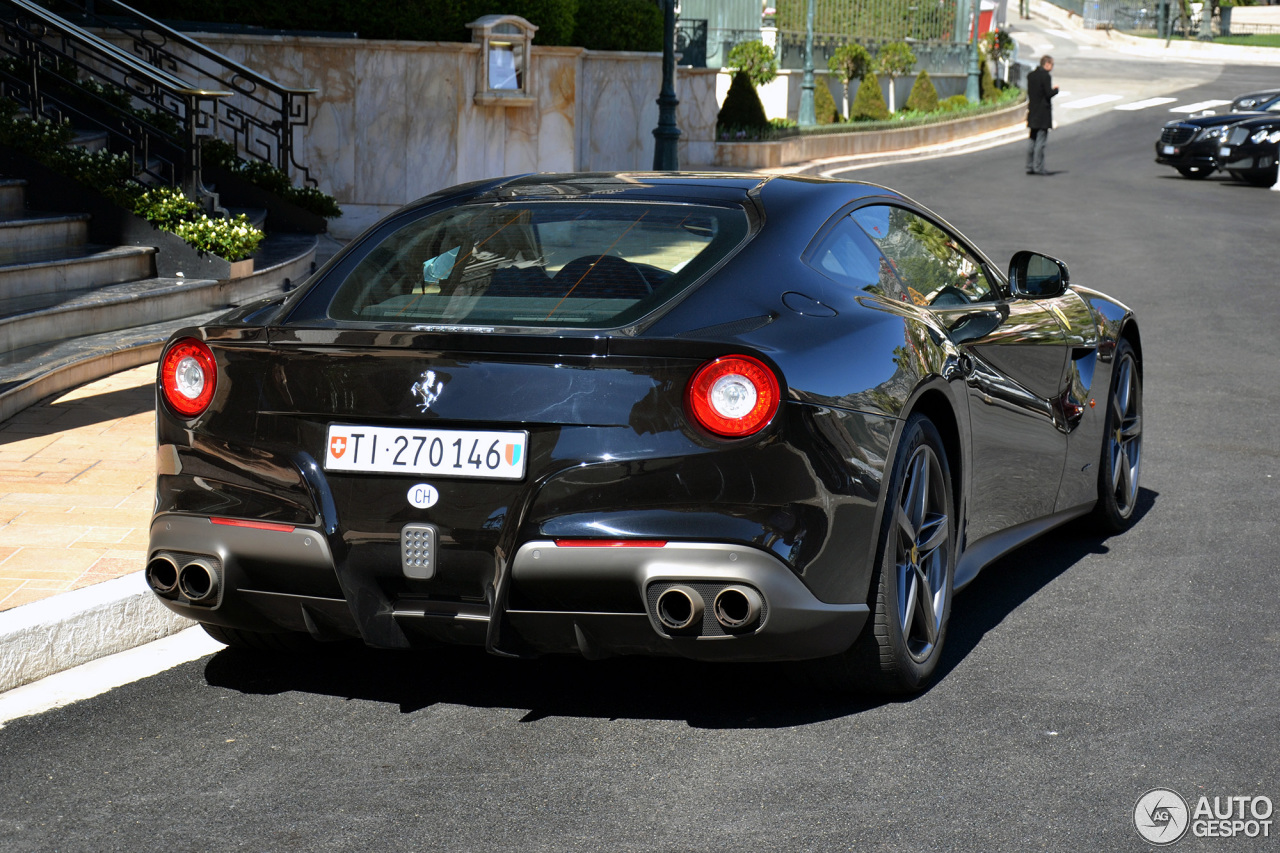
pixel 610 543
pixel 256 525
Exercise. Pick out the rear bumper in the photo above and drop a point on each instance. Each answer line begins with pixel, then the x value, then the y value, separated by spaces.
pixel 286 580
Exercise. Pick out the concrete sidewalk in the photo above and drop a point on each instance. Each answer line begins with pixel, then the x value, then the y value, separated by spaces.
pixel 77 485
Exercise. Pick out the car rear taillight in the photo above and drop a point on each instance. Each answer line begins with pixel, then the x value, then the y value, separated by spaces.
pixel 188 377
pixel 733 396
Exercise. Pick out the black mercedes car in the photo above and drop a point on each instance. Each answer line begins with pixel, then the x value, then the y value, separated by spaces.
pixel 721 416
pixel 1248 150
pixel 1256 101
pixel 1190 145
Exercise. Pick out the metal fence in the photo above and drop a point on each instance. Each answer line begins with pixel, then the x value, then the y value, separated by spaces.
pixel 873 20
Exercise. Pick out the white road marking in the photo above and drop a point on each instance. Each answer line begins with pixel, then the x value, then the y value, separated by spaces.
pixel 1062 34
pixel 99 676
pixel 1149 102
pixel 1044 48
pixel 992 139
pixel 1096 100
pixel 1197 107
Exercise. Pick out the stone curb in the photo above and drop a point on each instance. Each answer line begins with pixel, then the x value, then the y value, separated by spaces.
pixel 76 627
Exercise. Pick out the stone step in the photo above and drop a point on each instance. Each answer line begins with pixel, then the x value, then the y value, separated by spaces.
pixel 50 272
pixel 35 232
pixel 107 309
pixel 31 373
pixel 13 197
pixel 90 141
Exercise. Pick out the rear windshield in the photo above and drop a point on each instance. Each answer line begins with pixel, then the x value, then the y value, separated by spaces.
pixel 582 264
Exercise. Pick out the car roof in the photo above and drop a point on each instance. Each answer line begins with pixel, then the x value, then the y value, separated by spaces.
pixel 694 187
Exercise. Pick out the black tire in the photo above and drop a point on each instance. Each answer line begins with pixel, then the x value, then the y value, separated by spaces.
pixel 259 641
pixel 1121 459
pixel 902 642
pixel 1195 172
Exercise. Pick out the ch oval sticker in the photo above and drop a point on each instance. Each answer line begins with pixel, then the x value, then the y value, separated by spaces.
pixel 423 495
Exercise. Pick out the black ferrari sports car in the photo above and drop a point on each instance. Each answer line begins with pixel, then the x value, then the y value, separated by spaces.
pixel 721 416
pixel 1249 150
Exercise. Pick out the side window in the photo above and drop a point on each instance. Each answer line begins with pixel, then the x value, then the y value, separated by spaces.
pixel 935 269
pixel 845 255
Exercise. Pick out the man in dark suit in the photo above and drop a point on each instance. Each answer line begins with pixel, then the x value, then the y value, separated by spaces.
pixel 1040 92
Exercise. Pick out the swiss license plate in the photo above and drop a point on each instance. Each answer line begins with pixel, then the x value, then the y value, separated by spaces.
pixel 1224 151
pixel 440 452
pixel 1168 149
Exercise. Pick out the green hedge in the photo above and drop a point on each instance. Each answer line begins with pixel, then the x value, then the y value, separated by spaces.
pixel 596 24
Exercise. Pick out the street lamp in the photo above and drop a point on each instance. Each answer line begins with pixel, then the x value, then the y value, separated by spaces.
pixel 973 89
pixel 666 153
pixel 808 116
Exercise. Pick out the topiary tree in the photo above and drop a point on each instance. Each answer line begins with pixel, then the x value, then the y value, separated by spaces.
pixel 824 105
pixel 869 102
pixel 955 102
pixel 924 95
pixel 742 109
pixel 987 83
pixel 895 60
pixel 755 59
pixel 849 62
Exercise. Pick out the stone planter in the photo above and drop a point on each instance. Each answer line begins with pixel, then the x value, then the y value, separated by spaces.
pixel 241 269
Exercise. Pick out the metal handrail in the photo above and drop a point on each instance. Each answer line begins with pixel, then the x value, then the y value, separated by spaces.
pixel 262 128
pixel 44 43
pixel 155 75
pixel 189 43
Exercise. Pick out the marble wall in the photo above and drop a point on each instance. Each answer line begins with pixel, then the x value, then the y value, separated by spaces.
pixel 393 121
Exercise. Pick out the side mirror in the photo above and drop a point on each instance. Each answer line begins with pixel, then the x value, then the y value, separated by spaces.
pixel 1036 276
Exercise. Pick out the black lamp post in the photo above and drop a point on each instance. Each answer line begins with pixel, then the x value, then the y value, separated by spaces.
pixel 973 89
pixel 808 115
pixel 666 153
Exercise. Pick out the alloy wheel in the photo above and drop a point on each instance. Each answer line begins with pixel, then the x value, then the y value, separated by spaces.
pixel 923 536
pixel 1124 443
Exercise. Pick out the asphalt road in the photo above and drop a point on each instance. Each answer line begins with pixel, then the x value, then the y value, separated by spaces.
pixel 1081 672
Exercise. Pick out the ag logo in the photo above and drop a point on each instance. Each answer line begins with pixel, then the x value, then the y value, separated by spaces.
pixel 1161 816
pixel 338 446
pixel 423 495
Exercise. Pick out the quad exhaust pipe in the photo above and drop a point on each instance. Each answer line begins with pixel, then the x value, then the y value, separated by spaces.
pixel 198 582
pixel 680 609
pixel 737 608
pixel 162 575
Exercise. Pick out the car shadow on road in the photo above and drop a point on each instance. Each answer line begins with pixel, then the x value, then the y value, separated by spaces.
pixel 1004 585
pixel 716 696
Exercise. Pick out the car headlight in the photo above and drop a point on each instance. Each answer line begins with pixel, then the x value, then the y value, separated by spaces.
pixel 1247 104
pixel 1273 136
pixel 1211 133
pixel 1264 135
